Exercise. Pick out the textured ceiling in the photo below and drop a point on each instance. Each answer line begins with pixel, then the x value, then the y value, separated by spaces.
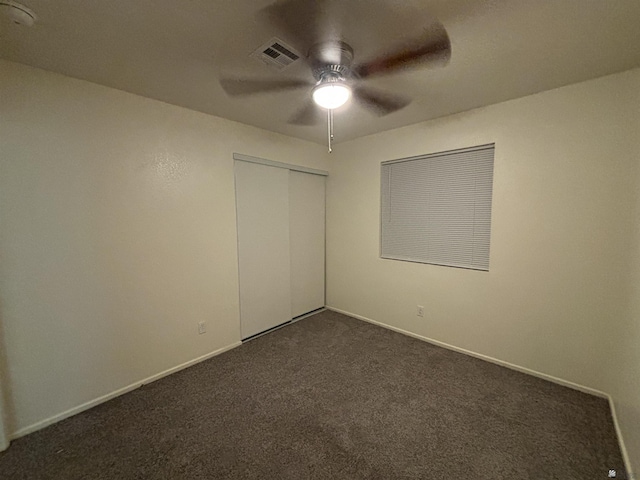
pixel 177 51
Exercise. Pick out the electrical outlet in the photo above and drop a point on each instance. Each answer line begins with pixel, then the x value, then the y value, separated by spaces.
pixel 420 311
pixel 202 327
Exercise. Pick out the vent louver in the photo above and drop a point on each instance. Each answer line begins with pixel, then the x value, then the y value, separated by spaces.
pixel 276 53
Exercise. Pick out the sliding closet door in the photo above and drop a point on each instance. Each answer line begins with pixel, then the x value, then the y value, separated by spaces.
pixel 306 231
pixel 262 202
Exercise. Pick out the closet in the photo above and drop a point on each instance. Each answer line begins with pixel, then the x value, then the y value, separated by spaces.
pixel 281 242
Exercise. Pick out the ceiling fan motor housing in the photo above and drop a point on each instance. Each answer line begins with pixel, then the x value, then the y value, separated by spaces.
pixel 331 73
pixel 331 61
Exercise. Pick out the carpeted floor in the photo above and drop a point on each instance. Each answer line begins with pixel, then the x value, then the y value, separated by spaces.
pixel 331 397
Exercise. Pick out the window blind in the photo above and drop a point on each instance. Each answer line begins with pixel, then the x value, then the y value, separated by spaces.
pixel 437 208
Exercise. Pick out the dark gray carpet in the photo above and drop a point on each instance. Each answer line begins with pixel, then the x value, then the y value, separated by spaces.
pixel 331 397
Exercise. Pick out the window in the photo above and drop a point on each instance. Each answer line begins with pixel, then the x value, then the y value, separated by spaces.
pixel 436 208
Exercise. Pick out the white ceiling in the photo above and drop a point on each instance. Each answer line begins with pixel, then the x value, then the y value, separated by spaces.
pixel 176 51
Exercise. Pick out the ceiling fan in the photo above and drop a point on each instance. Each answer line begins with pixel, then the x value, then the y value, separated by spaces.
pixel 334 77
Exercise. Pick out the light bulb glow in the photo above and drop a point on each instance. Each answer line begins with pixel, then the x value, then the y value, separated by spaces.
pixel 331 95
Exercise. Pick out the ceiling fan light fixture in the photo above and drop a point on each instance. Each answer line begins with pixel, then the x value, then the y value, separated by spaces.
pixel 331 95
pixel 16 13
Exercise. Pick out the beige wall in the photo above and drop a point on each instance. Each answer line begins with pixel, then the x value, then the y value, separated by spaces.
pixel 562 231
pixel 4 410
pixel 4 437
pixel 118 236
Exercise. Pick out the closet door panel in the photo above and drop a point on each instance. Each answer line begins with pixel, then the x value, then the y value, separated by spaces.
pixel 307 241
pixel 262 202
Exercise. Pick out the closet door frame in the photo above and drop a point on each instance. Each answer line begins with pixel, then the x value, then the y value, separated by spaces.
pixel 284 166
pixel 288 166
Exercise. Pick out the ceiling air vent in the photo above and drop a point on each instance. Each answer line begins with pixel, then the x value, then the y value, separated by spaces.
pixel 276 53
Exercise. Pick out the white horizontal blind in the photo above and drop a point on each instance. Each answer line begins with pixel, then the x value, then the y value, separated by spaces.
pixel 437 208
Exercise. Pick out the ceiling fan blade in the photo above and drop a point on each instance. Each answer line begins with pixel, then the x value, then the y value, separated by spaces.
pixel 433 49
pixel 380 103
pixel 310 114
pixel 241 86
pixel 302 22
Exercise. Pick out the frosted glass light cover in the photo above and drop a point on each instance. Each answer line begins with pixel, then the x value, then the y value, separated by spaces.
pixel 331 95
pixel 16 13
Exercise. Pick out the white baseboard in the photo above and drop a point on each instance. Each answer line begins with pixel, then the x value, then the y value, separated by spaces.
pixel 104 398
pixel 559 381
pixel 487 358
pixel 623 447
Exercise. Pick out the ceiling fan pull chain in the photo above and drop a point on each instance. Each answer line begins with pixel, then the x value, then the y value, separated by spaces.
pixel 331 113
pixel 330 127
